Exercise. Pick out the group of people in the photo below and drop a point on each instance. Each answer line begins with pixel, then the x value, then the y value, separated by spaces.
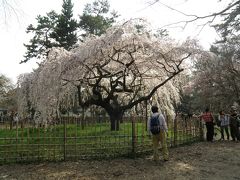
pixel 225 121
pixel 157 127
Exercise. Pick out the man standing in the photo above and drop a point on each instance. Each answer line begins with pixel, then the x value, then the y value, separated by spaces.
pixel 157 126
pixel 234 125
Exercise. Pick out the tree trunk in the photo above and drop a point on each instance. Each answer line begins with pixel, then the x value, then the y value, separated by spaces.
pixel 115 118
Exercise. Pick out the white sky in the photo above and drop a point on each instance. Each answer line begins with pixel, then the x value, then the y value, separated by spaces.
pixel 13 35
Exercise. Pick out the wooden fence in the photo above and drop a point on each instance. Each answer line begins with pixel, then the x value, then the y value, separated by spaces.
pixel 76 138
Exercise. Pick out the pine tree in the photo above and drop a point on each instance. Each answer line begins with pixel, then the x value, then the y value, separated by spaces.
pixel 96 18
pixel 65 31
pixel 52 30
pixel 60 30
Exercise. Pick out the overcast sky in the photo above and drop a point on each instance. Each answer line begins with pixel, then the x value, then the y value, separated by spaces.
pixel 13 24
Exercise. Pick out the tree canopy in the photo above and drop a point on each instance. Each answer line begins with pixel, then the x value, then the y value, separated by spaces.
pixel 52 30
pixel 7 93
pixel 63 30
pixel 221 66
pixel 116 71
pixel 214 81
pixel 66 27
pixel 96 18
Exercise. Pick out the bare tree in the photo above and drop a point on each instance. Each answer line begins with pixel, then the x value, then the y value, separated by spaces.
pixel 229 16
pixel 7 9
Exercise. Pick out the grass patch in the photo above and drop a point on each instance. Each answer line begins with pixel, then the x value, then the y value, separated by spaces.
pixel 75 141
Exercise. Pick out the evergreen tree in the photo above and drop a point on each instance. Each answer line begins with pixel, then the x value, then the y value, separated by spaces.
pixel 59 30
pixel 96 18
pixel 65 31
pixel 229 26
pixel 52 30
pixel 42 39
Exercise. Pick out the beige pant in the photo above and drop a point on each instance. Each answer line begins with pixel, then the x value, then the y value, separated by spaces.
pixel 156 139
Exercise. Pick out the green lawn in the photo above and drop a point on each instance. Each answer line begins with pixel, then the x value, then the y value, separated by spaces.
pixel 74 142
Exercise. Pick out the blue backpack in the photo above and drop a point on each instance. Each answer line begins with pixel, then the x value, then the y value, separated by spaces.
pixel 154 125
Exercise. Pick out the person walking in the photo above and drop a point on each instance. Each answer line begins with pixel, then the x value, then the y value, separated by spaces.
pixel 207 117
pixel 224 123
pixel 157 126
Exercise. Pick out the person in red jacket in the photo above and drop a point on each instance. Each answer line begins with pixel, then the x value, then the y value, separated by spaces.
pixel 207 117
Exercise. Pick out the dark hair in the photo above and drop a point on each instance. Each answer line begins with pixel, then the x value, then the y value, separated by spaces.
pixel 207 109
pixel 154 109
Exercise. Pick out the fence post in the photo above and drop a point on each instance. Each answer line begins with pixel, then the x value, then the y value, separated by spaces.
pixel 175 132
pixel 146 114
pixel 11 122
pixel 190 125
pixel 83 118
pixel 65 138
pixel 133 137
pixel 201 130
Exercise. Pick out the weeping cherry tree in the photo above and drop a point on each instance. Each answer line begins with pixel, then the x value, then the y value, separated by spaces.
pixel 116 71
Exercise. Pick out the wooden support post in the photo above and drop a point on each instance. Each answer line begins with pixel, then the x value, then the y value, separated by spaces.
pixel 201 130
pixel 175 132
pixel 65 139
pixel 133 137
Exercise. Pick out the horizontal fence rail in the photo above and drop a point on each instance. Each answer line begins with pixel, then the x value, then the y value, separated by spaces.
pixel 73 138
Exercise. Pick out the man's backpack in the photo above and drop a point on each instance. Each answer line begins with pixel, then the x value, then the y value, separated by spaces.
pixel 154 125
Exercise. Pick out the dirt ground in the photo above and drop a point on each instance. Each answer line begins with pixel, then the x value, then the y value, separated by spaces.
pixel 204 160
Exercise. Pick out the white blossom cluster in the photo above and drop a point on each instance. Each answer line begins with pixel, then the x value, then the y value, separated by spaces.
pixel 130 57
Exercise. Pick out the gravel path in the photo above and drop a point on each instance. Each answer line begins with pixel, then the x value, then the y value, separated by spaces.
pixel 204 160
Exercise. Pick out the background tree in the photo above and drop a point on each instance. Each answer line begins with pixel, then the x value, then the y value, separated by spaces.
pixel 52 30
pixel 204 84
pixel 229 25
pixel 228 16
pixel 96 18
pixel 8 8
pixel 60 30
pixel 215 75
pixel 7 93
pixel 42 40
pixel 65 30
pixel 215 79
pixel 5 85
pixel 221 68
